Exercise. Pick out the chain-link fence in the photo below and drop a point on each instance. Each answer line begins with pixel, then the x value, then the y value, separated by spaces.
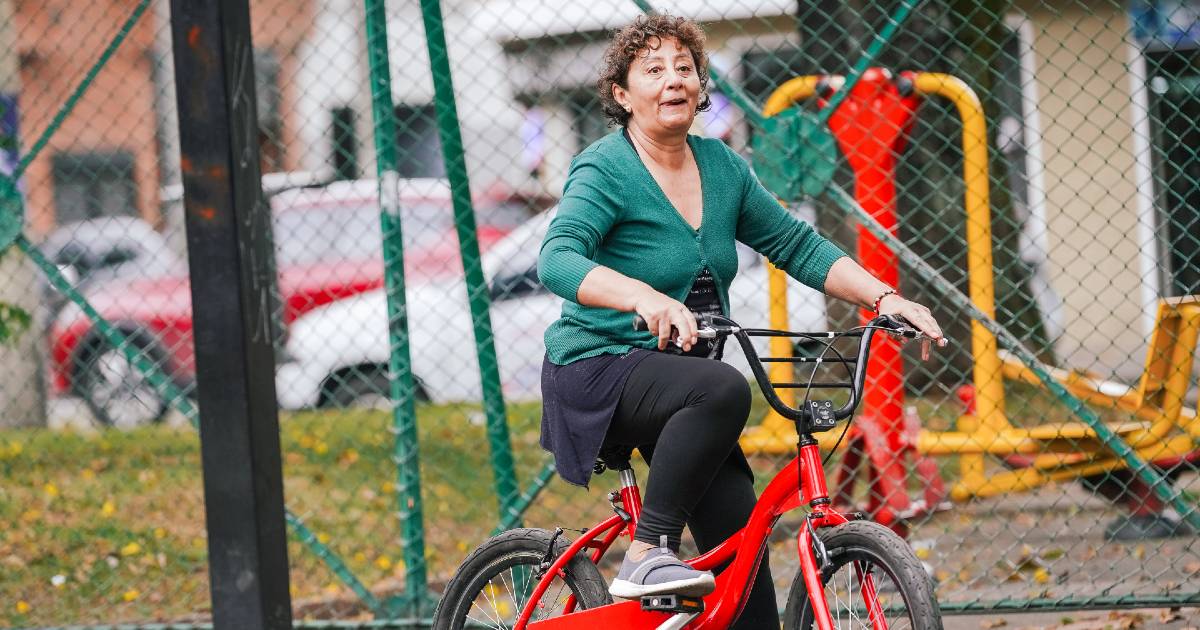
pixel 1028 169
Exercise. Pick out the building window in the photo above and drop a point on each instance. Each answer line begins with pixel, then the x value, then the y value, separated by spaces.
pixel 270 119
pixel 1174 98
pixel 91 185
pixel 344 142
pixel 417 143
pixel 587 117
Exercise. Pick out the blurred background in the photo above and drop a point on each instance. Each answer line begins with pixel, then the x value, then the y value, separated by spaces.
pixel 1092 162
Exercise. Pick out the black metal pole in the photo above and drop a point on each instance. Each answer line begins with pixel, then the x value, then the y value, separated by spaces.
pixel 229 251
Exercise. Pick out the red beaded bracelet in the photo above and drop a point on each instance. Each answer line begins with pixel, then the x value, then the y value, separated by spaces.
pixel 883 295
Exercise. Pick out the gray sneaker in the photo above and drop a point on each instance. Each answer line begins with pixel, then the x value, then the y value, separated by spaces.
pixel 659 573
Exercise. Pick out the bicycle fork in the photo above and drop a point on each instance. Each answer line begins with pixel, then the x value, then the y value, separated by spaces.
pixel 813 556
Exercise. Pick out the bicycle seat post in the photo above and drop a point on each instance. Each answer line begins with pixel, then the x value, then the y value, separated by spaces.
pixel 628 479
pixel 631 497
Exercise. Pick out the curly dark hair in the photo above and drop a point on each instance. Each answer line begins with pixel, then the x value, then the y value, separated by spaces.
pixel 647 32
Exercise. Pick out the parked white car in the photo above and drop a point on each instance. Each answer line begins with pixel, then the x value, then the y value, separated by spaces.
pixel 338 354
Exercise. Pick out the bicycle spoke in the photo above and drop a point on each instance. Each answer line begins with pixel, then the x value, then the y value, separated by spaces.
pixel 555 601
pixel 508 588
pixel 488 594
pixel 870 595
pixel 489 623
pixel 860 597
pixel 496 597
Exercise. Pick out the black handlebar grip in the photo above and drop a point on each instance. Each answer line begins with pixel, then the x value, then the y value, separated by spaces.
pixel 640 324
pixel 897 325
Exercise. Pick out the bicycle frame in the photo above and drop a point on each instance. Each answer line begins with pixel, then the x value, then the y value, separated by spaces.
pixel 802 481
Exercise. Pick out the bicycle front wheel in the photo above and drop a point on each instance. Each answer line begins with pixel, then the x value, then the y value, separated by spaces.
pixel 494 582
pixel 898 591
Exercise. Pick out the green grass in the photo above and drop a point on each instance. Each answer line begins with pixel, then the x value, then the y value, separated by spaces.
pixel 120 516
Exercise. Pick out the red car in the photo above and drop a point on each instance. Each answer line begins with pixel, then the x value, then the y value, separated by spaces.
pixel 328 245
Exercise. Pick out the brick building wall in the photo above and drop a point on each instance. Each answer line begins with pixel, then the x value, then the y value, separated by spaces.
pixel 112 132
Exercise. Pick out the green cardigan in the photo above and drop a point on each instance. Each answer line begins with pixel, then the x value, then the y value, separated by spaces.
pixel 614 214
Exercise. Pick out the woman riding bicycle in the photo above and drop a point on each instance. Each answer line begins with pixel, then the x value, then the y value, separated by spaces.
pixel 647 226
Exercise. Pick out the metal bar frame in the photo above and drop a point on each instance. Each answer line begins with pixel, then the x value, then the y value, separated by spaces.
pixel 415 600
pixel 229 245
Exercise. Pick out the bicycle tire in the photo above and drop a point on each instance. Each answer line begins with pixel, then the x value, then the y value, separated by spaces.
pixel 893 565
pixel 477 578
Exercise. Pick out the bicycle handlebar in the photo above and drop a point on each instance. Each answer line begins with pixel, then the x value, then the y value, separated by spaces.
pixel 817 415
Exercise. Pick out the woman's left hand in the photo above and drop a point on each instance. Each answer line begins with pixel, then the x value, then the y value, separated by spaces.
pixel 916 314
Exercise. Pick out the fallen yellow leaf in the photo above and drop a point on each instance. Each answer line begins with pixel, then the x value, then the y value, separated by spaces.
pixel 51 490
pixel 131 595
pixel 160 533
pixel 22 607
pixel 323 538
pixel 383 562
pixel 132 549
pixel 109 508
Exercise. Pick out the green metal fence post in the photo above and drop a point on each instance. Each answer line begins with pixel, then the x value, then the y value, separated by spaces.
pixel 503 469
pixel 415 600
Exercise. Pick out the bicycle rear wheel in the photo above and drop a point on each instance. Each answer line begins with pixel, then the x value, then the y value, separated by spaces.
pixel 495 581
pixel 903 592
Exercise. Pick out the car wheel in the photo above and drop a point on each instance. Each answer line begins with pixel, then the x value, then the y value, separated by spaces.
pixel 115 391
pixel 365 389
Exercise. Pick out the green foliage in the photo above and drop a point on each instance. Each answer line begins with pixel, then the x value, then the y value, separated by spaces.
pixel 14 320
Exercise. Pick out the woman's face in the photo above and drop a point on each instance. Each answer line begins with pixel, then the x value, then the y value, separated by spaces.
pixel 664 88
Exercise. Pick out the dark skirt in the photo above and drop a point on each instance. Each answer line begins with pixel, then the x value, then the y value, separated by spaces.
pixel 578 403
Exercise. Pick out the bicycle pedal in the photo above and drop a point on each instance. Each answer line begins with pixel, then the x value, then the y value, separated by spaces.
pixel 673 603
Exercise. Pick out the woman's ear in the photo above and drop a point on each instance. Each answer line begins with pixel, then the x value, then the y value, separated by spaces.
pixel 621 96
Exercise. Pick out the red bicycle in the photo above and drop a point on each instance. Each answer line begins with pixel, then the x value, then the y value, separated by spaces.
pixel 853 573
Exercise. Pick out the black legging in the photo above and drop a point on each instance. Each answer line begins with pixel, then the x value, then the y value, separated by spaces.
pixel 684 414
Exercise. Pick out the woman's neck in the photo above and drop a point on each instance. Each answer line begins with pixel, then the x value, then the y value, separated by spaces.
pixel 669 151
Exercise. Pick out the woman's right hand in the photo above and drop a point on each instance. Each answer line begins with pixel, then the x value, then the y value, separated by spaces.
pixel 662 313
